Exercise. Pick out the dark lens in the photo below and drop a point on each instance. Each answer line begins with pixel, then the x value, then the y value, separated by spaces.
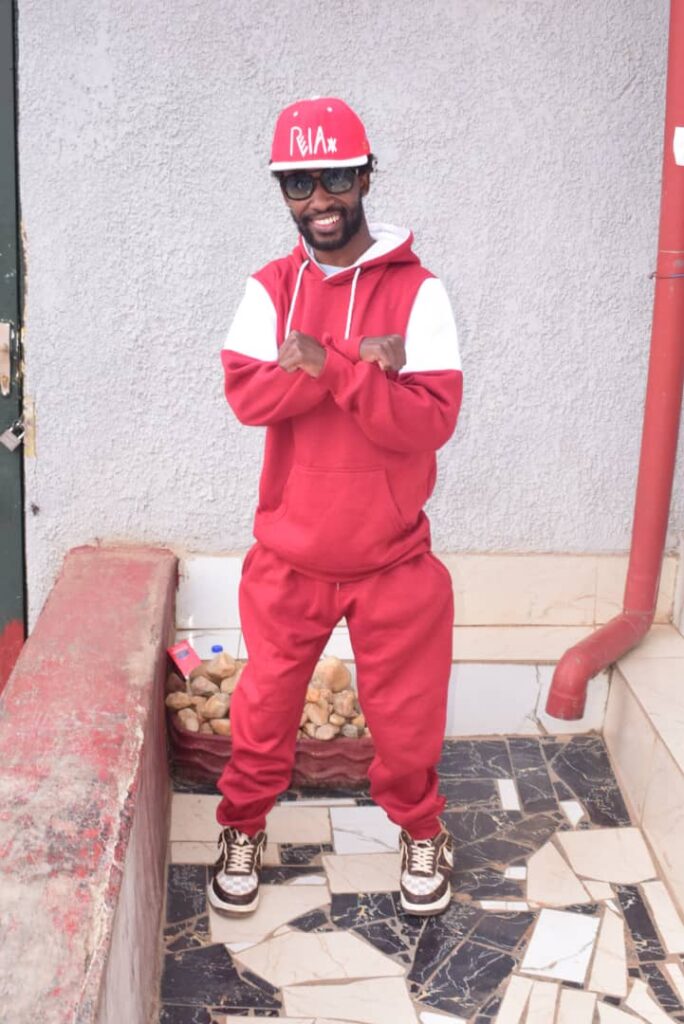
pixel 298 185
pixel 338 179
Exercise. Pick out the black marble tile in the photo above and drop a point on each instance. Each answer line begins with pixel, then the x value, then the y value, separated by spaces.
pixel 314 921
pixel 486 884
pixel 357 793
pixel 642 930
pixel 505 931
pixel 475 759
pixel 353 910
pixel 588 909
pixel 470 825
pixel 466 979
pixel 611 1000
pixel 173 1014
pixel 186 886
pixel 291 853
pixel 563 792
pixel 183 784
pixel 536 792
pixel 190 934
pixel 526 755
pixel 490 1010
pixel 391 938
pixel 583 765
pixel 662 990
pixel 441 936
pixel 208 976
pixel 470 794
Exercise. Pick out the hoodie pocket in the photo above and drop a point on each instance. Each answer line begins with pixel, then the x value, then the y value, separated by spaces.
pixel 334 520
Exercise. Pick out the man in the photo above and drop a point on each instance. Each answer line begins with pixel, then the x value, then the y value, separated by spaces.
pixel 346 351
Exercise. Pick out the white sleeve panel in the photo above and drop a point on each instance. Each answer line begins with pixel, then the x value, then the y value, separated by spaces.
pixel 253 330
pixel 431 339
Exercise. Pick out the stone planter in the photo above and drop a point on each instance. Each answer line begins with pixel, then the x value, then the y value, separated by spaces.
pixel 322 763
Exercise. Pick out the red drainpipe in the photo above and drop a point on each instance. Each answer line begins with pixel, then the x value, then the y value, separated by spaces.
pixel 661 419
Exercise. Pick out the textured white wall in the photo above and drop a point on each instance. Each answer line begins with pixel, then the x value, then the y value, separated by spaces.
pixel 520 140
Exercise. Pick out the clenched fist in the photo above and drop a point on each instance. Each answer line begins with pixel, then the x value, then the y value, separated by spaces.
pixel 301 352
pixel 388 351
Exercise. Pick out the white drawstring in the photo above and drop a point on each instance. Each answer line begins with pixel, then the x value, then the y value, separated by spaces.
pixel 350 310
pixel 290 314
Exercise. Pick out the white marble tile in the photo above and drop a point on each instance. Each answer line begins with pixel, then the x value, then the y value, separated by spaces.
pixel 290 823
pixel 598 890
pixel 551 881
pixel 278 904
pixel 608 854
pixel 541 1006
pixel 527 645
pixel 519 872
pixel 208 592
pixel 611 1015
pixel 576 1007
pixel 561 946
pixel 610 587
pixel 376 1001
pixel 676 975
pixel 642 1002
pixel 657 685
pixel 514 1002
pixel 193 818
pixel 667 918
pixel 508 794
pixel 362 872
pixel 661 641
pixel 609 968
pixel 663 818
pixel 238 947
pixel 428 1017
pixel 523 589
pixel 307 880
pixel 324 801
pixel 202 640
pixel 363 830
pixel 572 810
pixel 206 853
pixel 594 709
pixel 630 738
pixel 298 958
pixel 505 905
pixel 492 699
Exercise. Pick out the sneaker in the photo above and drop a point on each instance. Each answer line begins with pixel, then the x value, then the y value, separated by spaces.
pixel 426 866
pixel 234 889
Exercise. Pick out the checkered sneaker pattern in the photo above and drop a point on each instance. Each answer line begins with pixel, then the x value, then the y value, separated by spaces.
pixel 425 869
pixel 234 888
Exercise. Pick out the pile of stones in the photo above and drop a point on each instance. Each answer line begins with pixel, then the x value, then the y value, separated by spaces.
pixel 202 704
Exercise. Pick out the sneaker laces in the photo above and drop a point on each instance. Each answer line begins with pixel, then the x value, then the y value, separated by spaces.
pixel 238 853
pixel 421 857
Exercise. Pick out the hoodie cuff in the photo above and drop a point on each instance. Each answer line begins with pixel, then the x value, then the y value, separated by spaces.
pixel 337 371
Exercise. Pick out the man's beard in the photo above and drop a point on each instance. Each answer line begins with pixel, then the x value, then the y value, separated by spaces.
pixel 352 219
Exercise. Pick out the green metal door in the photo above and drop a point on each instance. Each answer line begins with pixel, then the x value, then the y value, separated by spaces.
pixel 11 450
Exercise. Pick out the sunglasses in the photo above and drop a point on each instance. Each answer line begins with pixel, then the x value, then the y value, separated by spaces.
pixel 335 180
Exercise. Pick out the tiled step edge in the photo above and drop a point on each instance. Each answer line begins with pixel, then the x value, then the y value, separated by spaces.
pixel 85 794
pixel 644 733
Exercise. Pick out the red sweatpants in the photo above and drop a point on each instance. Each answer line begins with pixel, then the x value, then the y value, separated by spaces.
pixel 400 625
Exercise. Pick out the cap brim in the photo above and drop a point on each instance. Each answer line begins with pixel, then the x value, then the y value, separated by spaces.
pixel 306 165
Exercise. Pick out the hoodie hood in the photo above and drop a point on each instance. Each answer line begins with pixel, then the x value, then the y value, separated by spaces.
pixel 391 245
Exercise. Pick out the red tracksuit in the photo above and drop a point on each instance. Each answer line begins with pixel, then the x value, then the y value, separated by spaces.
pixel 341 533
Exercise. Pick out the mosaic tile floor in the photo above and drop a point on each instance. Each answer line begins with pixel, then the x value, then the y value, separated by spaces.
pixel 557 917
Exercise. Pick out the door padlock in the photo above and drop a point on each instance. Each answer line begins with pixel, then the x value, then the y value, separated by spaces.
pixel 13 436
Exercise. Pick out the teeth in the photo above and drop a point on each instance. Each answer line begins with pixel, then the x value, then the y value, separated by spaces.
pixel 327 220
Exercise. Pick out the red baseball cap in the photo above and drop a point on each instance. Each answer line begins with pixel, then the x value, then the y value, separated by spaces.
pixel 321 132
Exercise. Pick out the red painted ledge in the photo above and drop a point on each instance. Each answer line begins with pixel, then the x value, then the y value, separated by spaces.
pixel 82 753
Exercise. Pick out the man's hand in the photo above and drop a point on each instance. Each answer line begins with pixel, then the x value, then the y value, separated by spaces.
pixel 388 351
pixel 301 352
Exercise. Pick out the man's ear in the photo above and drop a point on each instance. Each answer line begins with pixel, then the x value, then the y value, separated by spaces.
pixel 364 182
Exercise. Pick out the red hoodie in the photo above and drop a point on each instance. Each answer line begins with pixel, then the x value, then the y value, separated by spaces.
pixel 350 455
